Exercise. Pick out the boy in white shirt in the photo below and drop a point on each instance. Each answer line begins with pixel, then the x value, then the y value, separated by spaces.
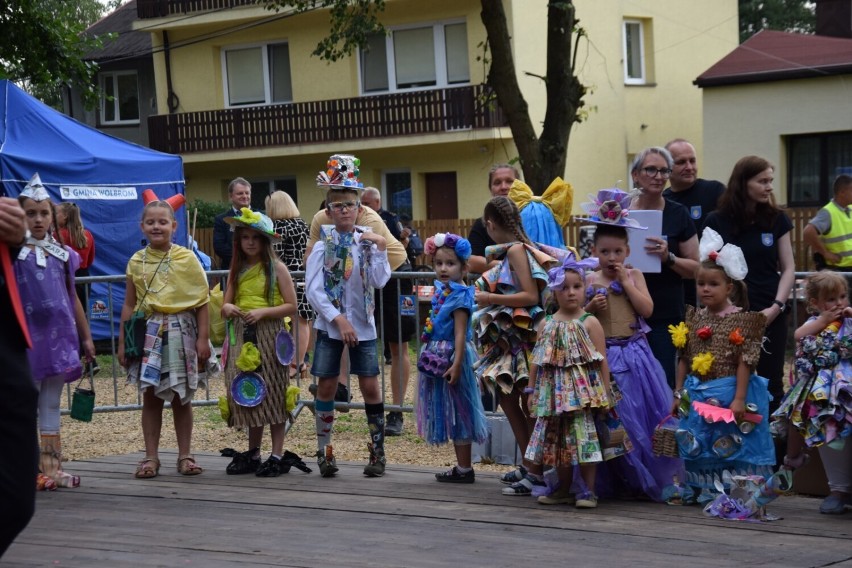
pixel 343 268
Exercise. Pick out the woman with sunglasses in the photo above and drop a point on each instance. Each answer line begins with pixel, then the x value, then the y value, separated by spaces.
pixel 677 248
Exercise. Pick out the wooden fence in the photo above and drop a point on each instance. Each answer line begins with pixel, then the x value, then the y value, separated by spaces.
pixel 800 217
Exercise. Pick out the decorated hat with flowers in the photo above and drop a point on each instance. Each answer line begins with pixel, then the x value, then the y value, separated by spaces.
pixel 610 207
pixel 256 221
pixel 341 172
pixel 460 245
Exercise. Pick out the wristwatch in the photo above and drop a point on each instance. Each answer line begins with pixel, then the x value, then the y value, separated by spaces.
pixel 780 305
pixel 671 259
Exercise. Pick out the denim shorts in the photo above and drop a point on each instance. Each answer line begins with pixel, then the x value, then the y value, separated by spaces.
pixel 363 359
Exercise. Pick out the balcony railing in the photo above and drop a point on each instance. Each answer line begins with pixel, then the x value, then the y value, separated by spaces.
pixel 163 8
pixel 380 116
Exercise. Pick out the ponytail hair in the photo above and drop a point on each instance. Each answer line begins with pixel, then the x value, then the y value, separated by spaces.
pixel 503 212
pixel 74 224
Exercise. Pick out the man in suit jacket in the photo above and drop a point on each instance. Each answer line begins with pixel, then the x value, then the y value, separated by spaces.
pixel 239 194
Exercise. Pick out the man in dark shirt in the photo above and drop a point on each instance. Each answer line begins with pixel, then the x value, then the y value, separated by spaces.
pixel 239 194
pixel 699 196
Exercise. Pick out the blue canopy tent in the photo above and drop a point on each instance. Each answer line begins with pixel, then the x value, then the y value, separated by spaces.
pixel 103 175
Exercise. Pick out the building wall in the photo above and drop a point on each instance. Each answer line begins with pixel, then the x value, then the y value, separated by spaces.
pixel 754 119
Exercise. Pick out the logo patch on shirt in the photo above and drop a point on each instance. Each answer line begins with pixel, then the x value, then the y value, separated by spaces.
pixel 768 239
pixel 695 212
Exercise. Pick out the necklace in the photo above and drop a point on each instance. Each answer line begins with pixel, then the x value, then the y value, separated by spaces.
pixel 437 301
pixel 164 281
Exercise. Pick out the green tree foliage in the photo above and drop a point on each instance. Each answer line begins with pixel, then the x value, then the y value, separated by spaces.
pixel 781 15
pixel 542 156
pixel 42 45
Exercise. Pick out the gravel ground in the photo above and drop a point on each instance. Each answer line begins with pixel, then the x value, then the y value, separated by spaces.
pixel 112 433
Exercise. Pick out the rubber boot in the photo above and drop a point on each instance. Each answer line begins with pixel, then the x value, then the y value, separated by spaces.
pixel 50 462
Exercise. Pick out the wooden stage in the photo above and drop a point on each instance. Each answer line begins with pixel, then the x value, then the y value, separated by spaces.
pixel 403 519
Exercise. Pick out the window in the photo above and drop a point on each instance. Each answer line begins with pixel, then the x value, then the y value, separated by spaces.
pixel 397 198
pixel 415 58
pixel 257 75
pixel 814 161
pixel 120 104
pixel 634 53
pixel 261 187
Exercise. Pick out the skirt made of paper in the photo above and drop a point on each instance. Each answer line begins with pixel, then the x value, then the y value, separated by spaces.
pixel 273 408
pixel 450 412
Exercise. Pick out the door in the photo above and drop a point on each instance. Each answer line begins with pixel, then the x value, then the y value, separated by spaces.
pixel 441 196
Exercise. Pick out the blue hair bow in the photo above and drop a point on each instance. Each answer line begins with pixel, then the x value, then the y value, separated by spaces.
pixel 556 275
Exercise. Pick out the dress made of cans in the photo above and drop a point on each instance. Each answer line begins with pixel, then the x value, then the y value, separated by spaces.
pixel 713 451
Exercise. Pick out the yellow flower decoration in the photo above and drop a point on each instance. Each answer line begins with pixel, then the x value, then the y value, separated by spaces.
pixel 249 358
pixel 292 397
pixel 248 216
pixel 224 410
pixel 679 334
pixel 702 362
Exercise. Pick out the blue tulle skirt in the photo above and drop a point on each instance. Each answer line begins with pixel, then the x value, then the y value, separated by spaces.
pixel 646 400
pixel 540 225
pixel 450 412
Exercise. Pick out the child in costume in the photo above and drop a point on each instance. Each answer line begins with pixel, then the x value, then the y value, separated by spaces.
pixel 570 384
pixel 57 322
pixel 509 298
pixel 260 294
pixel 342 271
pixel 818 407
pixel 724 429
pixel 544 217
pixel 167 284
pixel 449 405
pixel 619 297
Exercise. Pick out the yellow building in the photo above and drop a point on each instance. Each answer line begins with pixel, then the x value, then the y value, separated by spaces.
pixel 248 99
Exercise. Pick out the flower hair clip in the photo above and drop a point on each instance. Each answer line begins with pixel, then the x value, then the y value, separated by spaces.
pixel 460 245
pixel 556 275
pixel 729 257
pixel 610 207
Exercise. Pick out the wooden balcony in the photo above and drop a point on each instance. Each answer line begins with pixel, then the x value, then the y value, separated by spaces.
pixel 379 116
pixel 162 8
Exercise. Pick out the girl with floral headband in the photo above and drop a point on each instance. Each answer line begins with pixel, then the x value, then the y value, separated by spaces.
pixel 723 405
pixel 449 405
pixel 569 385
pixel 618 296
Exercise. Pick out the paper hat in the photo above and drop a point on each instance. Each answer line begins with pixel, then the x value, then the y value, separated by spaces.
pixel 176 201
pixel 341 172
pixel 729 257
pixel 610 207
pixel 35 190
pixel 256 221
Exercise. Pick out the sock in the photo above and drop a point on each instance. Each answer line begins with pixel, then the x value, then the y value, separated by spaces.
pixel 461 469
pixel 376 424
pixel 324 422
pixel 276 456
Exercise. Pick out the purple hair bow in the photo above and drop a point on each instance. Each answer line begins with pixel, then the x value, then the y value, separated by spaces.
pixel 556 276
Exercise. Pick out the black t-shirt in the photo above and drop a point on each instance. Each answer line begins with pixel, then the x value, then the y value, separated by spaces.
pixel 700 200
pixel 760 249
pixel 392 221
pixel 666 287
pixel 479 238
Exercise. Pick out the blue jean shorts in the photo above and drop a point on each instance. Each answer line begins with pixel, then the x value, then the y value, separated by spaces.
pixel 363 358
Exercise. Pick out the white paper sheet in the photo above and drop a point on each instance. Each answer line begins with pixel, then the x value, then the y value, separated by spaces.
pixel 637 240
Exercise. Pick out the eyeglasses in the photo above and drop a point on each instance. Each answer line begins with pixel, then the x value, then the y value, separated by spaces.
pixel 665 173
pixel 341 205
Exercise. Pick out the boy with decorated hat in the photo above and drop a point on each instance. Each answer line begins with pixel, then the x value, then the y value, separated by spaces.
pixel 348 262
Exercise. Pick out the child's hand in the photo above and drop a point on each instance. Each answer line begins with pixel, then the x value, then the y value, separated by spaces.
pixel 847 312
pixel 453 373
pixel 378 240
pixel 347 332
pixel 202 348
pixel 596 304
pixel 89 349
pixel 231 311
pixel 830 315
pixel 620 272
pixel 738 408
pixel 121 359
pixel 253 316
pixel 482 299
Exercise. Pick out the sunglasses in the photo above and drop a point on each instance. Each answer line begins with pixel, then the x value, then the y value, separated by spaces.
pixel 341 205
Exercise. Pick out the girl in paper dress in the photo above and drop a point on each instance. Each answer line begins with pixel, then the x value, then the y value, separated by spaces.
pixel 449 403
pixel 167 284
pixel 570 385
pixel 818 406
pixel 260 294
pixel 509 298
pixel 619 298
pixel 44 271
pixel 724 406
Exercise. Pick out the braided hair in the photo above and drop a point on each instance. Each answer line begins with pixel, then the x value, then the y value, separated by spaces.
pixel 503 212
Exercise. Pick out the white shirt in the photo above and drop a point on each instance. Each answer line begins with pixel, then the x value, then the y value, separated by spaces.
pixel 352 300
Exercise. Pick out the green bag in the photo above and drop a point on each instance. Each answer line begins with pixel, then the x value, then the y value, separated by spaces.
pixel 134 335
pixel 83 401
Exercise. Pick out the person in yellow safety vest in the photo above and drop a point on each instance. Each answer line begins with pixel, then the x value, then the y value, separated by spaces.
pixel 829 233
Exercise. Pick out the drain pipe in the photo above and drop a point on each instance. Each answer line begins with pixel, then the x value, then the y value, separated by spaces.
pixel 172 100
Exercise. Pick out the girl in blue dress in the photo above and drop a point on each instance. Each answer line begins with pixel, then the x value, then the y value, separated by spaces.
pixel 449 405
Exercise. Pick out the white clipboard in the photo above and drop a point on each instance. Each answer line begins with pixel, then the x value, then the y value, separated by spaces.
pixel 637 239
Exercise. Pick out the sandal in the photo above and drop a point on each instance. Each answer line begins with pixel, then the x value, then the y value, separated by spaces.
pixel 149 467
pixel 187 466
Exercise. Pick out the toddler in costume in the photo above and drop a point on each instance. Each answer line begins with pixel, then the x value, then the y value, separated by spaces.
pixel 619 298
pixel 260 294
pixel 45 271
pixel 167 284
pixel 724 429
pixel 343 269
pixel 449 405
pixel 818 406
pixel 570 384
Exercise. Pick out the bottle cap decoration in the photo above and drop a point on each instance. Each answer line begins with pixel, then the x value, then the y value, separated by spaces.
pixel 341 172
